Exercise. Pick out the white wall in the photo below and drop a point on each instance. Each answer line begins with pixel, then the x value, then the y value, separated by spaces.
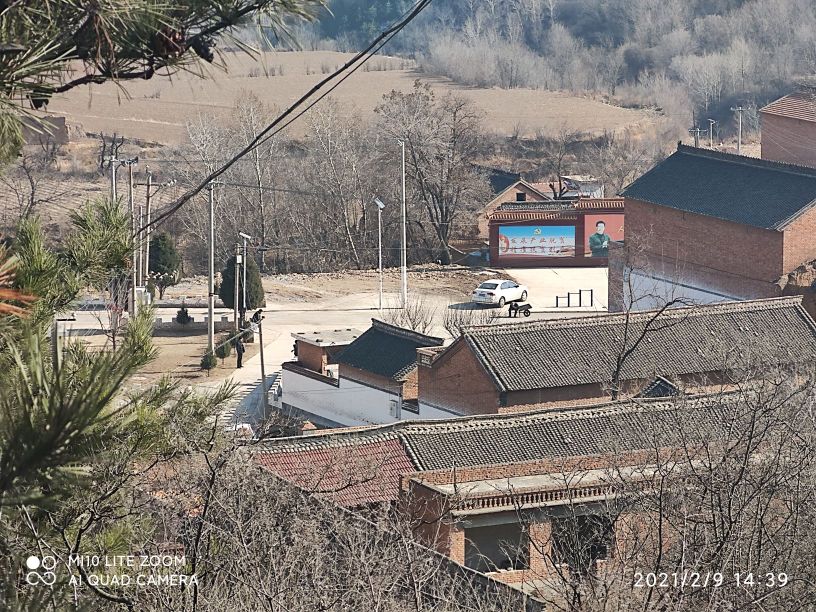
pixel 651 292
pixel 350 404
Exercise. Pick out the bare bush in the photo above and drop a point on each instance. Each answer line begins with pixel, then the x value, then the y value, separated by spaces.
pixel 454 319
pixel 418 315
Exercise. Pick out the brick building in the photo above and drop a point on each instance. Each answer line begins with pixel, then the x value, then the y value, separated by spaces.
pixel 708 226
pixel 789 129
pixel 496 493
pixel 495 368
pixel 348 378
pixel 518 191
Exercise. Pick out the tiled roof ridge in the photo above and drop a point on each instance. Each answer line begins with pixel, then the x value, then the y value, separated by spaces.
pixel 628 406
pixel 536 205
pixel 407 334
pixel 337 438
pixel 774 303
pixel 746 160
pixel 381 433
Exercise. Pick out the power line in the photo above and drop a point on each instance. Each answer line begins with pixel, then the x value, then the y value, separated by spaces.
pixel 352 66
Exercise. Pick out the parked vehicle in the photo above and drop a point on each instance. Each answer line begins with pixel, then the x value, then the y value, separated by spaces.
pixel 499 291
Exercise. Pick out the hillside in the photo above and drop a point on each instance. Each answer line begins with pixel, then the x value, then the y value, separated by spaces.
pixel 156 110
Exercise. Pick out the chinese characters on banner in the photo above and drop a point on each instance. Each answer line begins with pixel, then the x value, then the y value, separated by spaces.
pixel 536 241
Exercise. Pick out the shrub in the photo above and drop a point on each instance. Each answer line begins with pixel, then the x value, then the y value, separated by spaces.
pixel 182 316
pixel 165 263
pixel 223 349
pixel 255 292
pixel 208 362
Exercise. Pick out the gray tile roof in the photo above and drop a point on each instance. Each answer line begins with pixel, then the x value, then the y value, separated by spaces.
pixel 565 352
pixel 745 190
pixel 386 350
pixel 599 430
pixel 602 428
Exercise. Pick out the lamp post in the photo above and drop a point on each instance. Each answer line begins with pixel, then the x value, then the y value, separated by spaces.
pixel 711 123
pixel 243 275
pixel 380 207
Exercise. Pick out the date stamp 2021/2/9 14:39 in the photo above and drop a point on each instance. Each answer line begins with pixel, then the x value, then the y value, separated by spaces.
pixel 690 579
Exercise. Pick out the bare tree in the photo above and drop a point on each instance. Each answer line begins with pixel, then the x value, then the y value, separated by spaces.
pixel 441 137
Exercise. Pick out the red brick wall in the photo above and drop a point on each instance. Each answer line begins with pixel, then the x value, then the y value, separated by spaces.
pixel 707 252
pixel 368 378
pixel 457 381
pixel 788 140
pixel 311 356
pixel 429 515
pixel 556 394
pixel 800 241
pixel 410 388
pixel 617 263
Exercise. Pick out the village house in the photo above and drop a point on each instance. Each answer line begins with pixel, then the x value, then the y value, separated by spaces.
pixel 495 368
pixel 707 226
pixel 512 495
pixel 347 377
pixel 572 187
pixel 789 128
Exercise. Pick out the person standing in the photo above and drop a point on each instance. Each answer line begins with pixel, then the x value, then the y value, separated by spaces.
pixel 239 351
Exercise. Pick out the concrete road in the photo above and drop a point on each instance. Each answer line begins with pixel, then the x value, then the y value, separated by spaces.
pixel 545 284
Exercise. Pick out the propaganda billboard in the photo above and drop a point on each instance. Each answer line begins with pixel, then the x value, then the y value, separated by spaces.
pixel 599 231
pixel 536 241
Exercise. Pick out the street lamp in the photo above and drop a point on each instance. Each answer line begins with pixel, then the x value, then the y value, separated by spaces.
pixel 246 237
pixel 380 207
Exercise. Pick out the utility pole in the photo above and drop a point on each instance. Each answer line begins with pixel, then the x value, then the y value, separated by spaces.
pixel 149 215
pixel 245 237
pixel 114 162
pixel 404 255
pixel 211 275
pixel 142 277
pixel 711 123
pixel 134 274
pixel 739 110
pixel 235 285
pixel 258 318
pixel 146 270
pixel 696 132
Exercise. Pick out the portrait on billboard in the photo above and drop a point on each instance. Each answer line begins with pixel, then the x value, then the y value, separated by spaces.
pixel 599 231
pixel 536 241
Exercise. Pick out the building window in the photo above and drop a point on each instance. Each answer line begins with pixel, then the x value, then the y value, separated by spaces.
pixel 521 197
pixel 497 547
pixel 393 408
pixel 580 541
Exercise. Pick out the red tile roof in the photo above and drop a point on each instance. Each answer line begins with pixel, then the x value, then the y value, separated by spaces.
pixel 348 474
pixel 798 105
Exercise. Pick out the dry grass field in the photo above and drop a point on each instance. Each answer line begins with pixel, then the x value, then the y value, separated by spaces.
pixel 156 110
